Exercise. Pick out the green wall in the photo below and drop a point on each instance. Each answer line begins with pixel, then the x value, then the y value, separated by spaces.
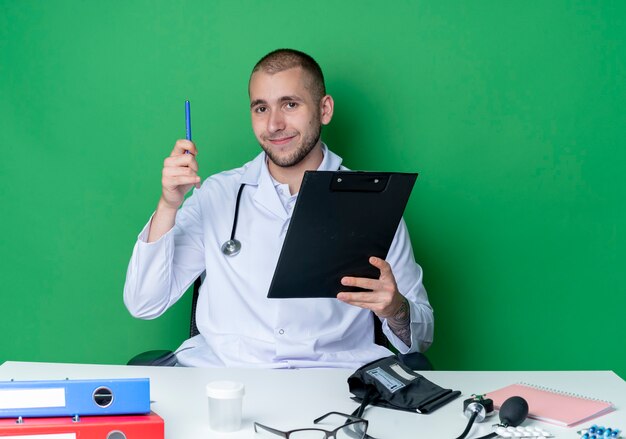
pixel 512 111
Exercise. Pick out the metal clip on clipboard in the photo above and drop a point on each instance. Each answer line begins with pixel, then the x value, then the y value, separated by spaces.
pixel 359 182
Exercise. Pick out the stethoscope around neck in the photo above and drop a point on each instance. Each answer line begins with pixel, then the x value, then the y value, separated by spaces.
pixel 232 247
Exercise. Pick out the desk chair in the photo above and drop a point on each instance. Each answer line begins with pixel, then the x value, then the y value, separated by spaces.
pixel 415 360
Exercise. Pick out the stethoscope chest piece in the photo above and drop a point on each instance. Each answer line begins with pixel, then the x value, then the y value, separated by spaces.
pixel 231 247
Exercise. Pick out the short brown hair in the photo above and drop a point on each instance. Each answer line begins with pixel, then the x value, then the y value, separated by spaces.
pixel 284 59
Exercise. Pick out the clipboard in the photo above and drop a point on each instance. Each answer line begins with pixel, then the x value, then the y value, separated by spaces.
pixel 340 219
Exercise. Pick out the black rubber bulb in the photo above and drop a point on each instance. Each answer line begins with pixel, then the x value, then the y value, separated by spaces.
pixel 513 411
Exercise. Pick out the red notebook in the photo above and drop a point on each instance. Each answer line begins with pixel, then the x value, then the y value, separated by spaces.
pixel 552 406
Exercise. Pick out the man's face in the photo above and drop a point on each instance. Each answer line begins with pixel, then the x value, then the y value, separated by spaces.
pixel 286 119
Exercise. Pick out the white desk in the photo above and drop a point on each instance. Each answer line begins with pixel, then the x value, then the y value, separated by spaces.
pixel 286 399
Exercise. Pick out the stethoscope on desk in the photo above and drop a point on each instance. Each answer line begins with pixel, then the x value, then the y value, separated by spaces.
pixel 232 247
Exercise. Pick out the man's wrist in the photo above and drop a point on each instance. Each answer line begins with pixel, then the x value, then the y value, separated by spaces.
pixel 166 208
pixel 162 221
pixel 400 322
pixel 402 314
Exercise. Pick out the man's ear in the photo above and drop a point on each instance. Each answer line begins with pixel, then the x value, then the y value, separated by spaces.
pixel 327 105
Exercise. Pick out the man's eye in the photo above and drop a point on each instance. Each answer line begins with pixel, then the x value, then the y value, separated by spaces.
pixel 260 109
pixel 292 105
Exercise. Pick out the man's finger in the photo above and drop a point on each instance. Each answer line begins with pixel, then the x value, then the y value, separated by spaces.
pixel 184 180
pixel 185 160
pixel 359 303
pixel 184 145
pixel 361 282
pixel 178 172
pixel 369 297
pixel 355 302
pixel 382 265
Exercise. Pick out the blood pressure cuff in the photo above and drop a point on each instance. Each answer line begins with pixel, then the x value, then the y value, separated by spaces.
pixel 389 383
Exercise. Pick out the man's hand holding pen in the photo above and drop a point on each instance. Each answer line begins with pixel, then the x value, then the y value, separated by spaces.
pixel 180 174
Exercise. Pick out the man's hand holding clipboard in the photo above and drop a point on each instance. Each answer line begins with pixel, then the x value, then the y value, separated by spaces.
pixel 383 299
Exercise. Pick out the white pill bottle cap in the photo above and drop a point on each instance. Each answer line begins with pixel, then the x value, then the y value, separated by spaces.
pixel 225 390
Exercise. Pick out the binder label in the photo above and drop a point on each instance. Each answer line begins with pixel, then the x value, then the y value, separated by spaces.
pixel 32 398
pixel 43 436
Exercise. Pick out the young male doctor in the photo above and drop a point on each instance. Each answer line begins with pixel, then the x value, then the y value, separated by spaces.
pixel 239 326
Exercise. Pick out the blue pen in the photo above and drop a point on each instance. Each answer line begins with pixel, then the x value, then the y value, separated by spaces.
pixel 187 122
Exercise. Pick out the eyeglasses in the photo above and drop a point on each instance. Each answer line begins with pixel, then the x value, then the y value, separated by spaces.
pixel 353 428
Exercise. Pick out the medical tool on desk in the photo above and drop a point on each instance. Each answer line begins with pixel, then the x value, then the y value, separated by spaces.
pixel 522 432
pixel 225 403
pixel 599 432
pixel 477 409
pixel 512 413
pixel 390 384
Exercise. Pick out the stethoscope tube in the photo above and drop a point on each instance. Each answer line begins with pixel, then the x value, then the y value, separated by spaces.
pixel 232 247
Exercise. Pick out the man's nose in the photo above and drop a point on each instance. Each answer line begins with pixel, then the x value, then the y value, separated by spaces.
pixel 276 122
